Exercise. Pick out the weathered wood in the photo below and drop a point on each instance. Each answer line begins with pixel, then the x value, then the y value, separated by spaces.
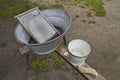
pixel 37 25
pixel 61 50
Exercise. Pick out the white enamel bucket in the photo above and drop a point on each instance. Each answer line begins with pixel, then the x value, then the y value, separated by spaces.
pixel 79 51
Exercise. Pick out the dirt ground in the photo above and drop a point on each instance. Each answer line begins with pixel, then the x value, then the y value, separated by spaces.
pixel 102 33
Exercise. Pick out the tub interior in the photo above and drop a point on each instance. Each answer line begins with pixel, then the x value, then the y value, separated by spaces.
pixel 58 18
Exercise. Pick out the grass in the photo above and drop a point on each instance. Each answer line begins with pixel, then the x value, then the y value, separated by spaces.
pixel 40 65
pixel 96 6
pixel 58 61
pixel 44 65
pixel 12 11
pixel 72 2
pixel 90 13
pixel 5 1
pixel 10 8
pixel 50 6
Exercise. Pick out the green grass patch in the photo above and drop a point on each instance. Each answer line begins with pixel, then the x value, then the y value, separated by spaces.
pixel 6 1
pixel 50 6
pixel 96 6
pixel 72 2
pixel 10 12
pixel 38 65
pixel 10 8
pixel 58 61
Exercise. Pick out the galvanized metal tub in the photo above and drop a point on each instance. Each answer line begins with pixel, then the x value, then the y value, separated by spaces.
pixel 59 19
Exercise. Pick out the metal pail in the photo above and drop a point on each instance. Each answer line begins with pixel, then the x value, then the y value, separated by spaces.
pixel 79 51
pixel 59 19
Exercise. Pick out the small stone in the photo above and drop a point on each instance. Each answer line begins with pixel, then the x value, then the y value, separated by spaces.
pixel 24 50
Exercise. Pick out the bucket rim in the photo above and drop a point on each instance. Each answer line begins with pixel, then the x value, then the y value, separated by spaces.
pixel 80 56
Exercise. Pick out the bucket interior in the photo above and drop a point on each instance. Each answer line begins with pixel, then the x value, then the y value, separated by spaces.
pixel 79 48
